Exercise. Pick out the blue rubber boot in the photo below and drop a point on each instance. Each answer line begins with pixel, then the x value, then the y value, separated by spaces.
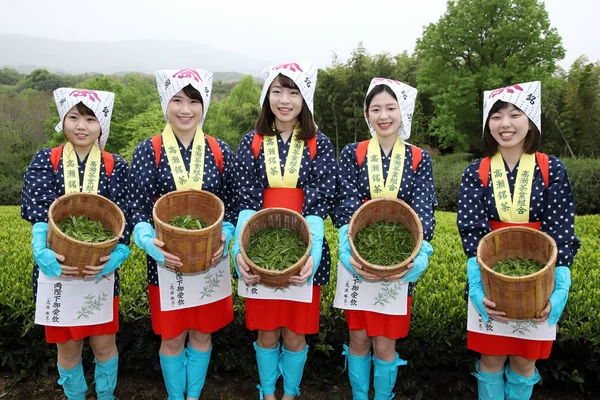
pixel 384 377
pixel 174 373
pixel 197 366
pixel 268 368
pixel 490 385
pixel 73 382
pixel 519 387
pixel 292 368
pixel 105 376
pixel 359 372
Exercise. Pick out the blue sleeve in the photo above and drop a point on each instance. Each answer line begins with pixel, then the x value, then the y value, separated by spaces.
pixel 141 182
pixel 248 185
pixel 319 188
pixel 559 215
pixel 423 198
pixel 472 219
pixel 39 189
pixel 348 197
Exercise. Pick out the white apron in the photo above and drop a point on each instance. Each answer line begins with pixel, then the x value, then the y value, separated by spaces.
pixel 382 297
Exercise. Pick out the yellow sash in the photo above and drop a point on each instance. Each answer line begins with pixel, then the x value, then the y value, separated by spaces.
pixel 390 188
pixel 292 163
pixel 184 181
pixel 91 176
pixel 517 208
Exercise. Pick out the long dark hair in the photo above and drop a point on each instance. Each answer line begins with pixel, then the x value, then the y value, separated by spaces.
pixel 266 120
pixel 532 141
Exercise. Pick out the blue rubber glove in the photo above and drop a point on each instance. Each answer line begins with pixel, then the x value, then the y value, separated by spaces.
pixel 317 232
pixel 117 256
pixel 242 219
pixel 143 233
pixel 344 250
pixel 421 261
pixel 476 287
pixel 558 298
pixel 43 256
pixel 228 230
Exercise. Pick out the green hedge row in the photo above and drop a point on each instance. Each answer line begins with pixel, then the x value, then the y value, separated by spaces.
pixel 435 347
pixel 584 175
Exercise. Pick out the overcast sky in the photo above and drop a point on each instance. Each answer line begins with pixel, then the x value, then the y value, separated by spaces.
pixel 280 31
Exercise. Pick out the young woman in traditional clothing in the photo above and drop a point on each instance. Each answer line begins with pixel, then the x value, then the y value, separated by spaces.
pixel 383 167
pixel 286 162
pixel 80 165
pixel 180 158
pixel 526 188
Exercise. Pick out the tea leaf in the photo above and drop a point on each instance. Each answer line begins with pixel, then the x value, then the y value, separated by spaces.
pixel 384 243
pixel 517 267
pixel 85 229
pixel 275 248
pixel 188 222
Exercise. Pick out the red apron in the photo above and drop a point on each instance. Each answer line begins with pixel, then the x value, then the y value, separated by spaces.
pixel 207 318
pixel 62 334
pixel 268 315
pixel 492 345
pixel 377 324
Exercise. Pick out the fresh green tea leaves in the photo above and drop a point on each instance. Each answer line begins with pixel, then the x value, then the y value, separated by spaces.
pixel 82 228
pixel 384 243
pixel 517 267
pixel 188 222
pixel 275 248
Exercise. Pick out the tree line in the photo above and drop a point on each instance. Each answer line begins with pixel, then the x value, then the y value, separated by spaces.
pixel 476 45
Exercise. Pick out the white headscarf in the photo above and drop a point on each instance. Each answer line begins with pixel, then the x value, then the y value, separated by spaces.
pixel 171 81
pixel 527 96
pixel 407 97
pixel 101 103
pixel 303 74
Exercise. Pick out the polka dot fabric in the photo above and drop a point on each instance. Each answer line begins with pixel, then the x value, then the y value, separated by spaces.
pixel 553 206
pixel 416 188
pixel 41 186
pixel 317 178
pixel 147 183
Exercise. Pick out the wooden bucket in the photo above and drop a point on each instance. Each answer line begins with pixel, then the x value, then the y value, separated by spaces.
pixel 195 248
pixel 78 253
pixel 388 210
pixel 520 297
pixel 276 218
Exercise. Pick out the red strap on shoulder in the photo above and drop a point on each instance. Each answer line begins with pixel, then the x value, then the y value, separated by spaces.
pixel 417 155
pixel 212 142
pixel 216 150
pixel 542 160
pixel 157 144
pixel 484 170
pixel 55 154
pixel 256 143
pixel 258 139
pixel 312 147
pixel 544 164
pixel 361 151
pixel 109 162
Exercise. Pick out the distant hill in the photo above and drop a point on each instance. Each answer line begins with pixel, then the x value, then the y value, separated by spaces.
pixel 26 53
